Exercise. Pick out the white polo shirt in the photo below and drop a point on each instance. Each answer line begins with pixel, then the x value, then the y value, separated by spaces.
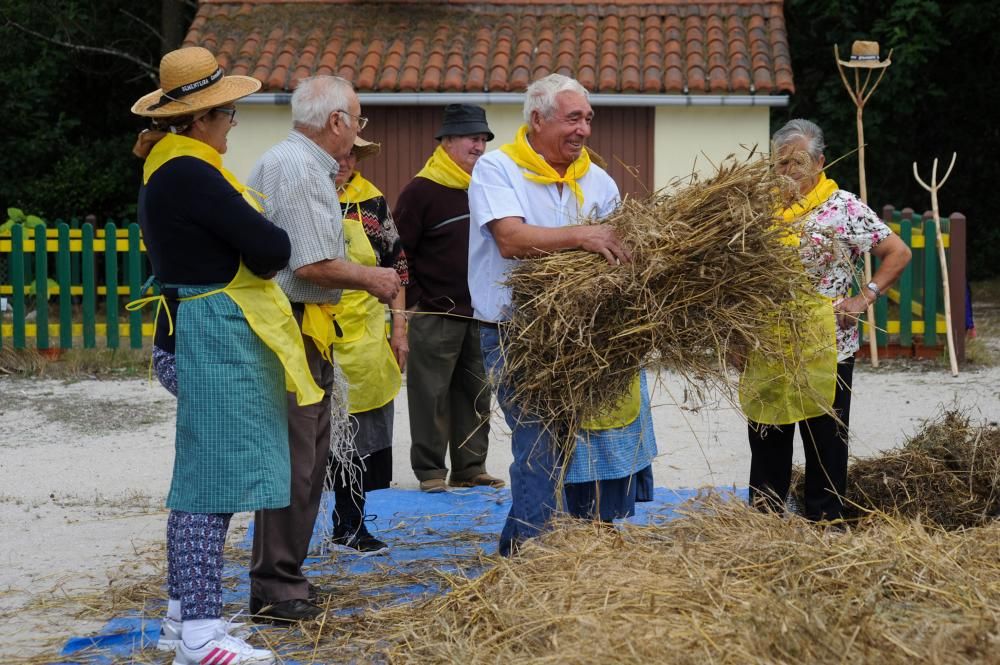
pixel 500 190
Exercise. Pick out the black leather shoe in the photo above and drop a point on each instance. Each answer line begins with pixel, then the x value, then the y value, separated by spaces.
pixel 287 611
pixel 318 593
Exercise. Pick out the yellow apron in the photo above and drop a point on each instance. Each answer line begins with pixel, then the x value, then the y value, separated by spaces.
pixel 363 352
pixel 621 414
pixel 263 303
pixel 269 314
pixel 803 382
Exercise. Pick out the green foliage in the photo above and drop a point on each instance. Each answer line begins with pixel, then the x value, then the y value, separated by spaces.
pixel 67 130
pixel 935 99
pixel 17 216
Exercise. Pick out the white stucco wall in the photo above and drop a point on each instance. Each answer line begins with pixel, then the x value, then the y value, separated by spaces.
pixel 685 136
pixel 258 128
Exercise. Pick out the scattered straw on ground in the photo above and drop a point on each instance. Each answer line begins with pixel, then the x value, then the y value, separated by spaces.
pixel 723 584
pixel 947 474
pixel 709 275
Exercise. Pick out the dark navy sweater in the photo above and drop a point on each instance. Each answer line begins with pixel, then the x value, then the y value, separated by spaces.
pixel 197 227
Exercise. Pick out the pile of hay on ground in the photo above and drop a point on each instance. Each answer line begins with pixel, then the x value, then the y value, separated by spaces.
pixel 709 275
pixel 722 584
pixel 948 474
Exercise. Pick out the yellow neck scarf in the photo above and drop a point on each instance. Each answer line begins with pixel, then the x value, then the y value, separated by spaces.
pixel 176 145
pixel 816 196
pixel 443 170
pixel 536 169
pixel 358 189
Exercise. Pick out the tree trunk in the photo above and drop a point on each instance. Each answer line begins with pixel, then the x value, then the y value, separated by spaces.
pixel 172 24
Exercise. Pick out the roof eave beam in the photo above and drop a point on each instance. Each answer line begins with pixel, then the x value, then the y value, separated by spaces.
pixel 442 98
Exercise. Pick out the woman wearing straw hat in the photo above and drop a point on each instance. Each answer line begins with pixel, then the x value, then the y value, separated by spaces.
pixel 231 332
pixel 371 363
pixel 832 228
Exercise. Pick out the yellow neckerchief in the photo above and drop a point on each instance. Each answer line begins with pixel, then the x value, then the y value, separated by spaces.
pixel 823 190
pixel 176 145
pixel 357 189
pixel 443 170
pixel 262 302
pixel 803 384
pixel 536 169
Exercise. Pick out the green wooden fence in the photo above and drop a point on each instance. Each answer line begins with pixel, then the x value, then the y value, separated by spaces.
pixel 84 275
pixel 75 280
pixel 911 321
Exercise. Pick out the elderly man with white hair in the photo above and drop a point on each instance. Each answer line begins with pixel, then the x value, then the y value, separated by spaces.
pixel 528 199
pixel 297 179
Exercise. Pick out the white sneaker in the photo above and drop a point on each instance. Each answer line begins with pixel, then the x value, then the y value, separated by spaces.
pixel 225 650
pixel 171 632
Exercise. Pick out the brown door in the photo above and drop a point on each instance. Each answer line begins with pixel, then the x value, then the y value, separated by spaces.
pixel 622 136
pixel 407 137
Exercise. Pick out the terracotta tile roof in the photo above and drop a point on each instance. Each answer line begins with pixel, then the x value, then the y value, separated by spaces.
pixel 623 46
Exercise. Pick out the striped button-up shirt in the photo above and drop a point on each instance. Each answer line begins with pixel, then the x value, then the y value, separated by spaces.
pixel 296 178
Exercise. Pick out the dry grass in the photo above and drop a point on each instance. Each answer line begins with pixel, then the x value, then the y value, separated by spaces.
pixel 722 584
pixel 709 278
pixel 948 474
pixel 75 363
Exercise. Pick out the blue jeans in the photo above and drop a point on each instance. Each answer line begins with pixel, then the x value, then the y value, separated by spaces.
pixel 535 470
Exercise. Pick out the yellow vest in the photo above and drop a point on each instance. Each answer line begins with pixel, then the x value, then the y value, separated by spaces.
pixel 803 382
pixel 363 352
pixel 263 303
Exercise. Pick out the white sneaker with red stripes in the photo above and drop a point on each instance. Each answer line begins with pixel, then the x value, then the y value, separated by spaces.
pixel 172 632
pixel 225 650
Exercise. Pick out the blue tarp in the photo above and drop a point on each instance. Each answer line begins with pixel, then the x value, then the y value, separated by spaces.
pixel 419 528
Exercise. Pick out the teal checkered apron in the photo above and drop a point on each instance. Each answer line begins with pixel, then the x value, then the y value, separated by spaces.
pixel 232 424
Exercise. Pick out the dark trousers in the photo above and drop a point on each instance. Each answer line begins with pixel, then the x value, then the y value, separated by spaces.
pixel 824 441
pixel 281 537
pixel 448 398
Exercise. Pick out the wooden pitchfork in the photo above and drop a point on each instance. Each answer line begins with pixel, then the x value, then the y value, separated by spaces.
pixel 860 93
pixel 933 189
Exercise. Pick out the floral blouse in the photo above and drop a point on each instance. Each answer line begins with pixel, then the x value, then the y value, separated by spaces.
pixel 837 234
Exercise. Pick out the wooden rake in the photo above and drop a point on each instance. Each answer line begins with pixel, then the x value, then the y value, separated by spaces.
pixel 860 94
pixel 933 189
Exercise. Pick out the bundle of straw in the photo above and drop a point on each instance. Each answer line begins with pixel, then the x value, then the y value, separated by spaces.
pixel 722 584
pixel 948 474
pixel 709 277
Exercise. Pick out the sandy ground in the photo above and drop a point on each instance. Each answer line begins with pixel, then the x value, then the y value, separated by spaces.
pixel 85 467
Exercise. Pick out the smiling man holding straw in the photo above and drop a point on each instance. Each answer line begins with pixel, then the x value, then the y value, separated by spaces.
pixel 527 200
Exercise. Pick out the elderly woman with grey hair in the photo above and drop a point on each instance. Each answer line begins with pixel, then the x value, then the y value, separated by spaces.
pixel 835 229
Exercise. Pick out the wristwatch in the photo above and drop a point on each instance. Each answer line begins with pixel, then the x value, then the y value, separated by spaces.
pixel 873 287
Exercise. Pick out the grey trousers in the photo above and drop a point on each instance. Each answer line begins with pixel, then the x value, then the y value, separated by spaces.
pixel 448 397
pixel 281 537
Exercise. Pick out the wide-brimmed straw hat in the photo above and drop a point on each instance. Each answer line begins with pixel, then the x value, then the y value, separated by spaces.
pixel 191 80
pixel 865 54
pixel 364 149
